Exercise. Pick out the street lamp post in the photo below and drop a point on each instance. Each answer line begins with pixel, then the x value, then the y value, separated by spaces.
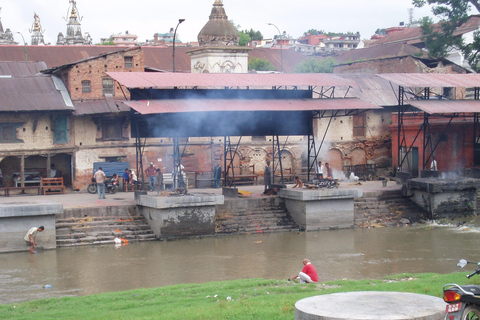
pixel 281 47
pixel 174 36
pixel 24 45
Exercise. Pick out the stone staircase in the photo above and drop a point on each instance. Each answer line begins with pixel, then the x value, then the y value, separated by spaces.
pixel 387 208
pixel 101 230
pixel 244 216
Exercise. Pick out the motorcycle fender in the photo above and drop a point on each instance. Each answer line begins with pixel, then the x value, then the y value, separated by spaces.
pixel 457 315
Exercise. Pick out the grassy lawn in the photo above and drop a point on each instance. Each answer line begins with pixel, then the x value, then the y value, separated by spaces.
pixel 239 299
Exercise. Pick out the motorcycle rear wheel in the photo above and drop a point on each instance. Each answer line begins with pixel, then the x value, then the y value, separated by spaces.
pixel 112 190
pixel 471 313
pixel 92 188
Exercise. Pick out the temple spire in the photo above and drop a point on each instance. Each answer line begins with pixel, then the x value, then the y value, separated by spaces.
pixel 74 29
pixel 37 31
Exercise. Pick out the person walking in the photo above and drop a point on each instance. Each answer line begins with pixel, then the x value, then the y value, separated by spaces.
pixel 433 164
pixel 31 237
pixel 100 180
pixel 150 172
pixel 268 177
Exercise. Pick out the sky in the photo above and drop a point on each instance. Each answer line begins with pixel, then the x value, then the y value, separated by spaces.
pixel 102 18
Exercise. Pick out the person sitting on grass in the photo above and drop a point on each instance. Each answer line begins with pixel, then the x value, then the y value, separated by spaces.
pixel 308 273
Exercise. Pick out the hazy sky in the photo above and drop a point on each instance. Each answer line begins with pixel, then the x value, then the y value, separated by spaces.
pixel 101 18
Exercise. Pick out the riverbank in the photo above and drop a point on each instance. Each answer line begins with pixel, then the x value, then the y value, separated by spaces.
pixel 238 299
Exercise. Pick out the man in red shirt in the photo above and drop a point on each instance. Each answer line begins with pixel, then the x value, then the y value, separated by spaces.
pixel 308 273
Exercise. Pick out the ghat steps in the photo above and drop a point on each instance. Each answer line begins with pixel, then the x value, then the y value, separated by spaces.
pixel 101 230
pixel 256 215
pixel 386 208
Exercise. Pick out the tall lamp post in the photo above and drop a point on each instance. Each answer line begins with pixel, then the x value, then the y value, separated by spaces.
pixel 24 45
pixel 281 47
pixel 174 36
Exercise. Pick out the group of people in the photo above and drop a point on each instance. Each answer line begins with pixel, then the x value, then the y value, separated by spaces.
pixel 324 172
pixel 155 178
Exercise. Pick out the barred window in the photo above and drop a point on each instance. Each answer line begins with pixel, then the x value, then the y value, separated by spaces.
pixel 86 87
pixel 108 86
pixel 128 62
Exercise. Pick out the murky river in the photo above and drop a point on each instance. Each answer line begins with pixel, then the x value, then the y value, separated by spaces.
pixel 352 254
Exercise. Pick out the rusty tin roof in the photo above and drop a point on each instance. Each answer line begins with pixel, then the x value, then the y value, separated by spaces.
pixel 222 80
pixel 446 106
pixel 432 79
pixel 206 105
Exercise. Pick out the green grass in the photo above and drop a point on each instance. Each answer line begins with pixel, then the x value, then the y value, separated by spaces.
pixel 239 299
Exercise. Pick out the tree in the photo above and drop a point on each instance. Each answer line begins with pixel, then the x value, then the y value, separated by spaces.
pixel 254 35
pixel 439 38
pixel 313 32
pixel 244 39
pixel 260 64
pixel 381 32
pixel 312 65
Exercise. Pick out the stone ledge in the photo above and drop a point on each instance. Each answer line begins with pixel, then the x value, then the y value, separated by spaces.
pixel 23 209
pixel 372 305
pixel 314 195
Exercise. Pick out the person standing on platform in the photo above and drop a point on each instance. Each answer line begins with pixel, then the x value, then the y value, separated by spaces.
pixel 433 165
pixel 150 172
pixel 100 180
pixel 217 175
pixel 159 181
pixel 268 177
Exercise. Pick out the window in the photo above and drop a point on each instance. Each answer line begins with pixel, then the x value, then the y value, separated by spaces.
pixel 60 130
pixel 128 62
pixel 359 126
pixel 86 86
pixel 112 129
pixel 8 132
pixel 108 86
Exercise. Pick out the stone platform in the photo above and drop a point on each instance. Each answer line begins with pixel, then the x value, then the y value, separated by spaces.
pixel 321 208
pixel 445 198
pixel 180 216
pixel 16 218
pixel 371 305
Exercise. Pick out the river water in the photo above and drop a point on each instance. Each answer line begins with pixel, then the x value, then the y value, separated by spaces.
pixel 351 254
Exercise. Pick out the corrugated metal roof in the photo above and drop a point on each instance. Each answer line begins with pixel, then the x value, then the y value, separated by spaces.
pixel 221 80
pixel 370 88
pixel 394 50
pixel 447 106
pixel 414 35
pixel 206 105
pixel 432 79
pixel 31 94
pixel 155 57
pixel 21 68
pixel 100 106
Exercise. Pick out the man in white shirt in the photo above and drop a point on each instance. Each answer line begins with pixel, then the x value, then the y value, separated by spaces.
pixel 433 165
pixel 31 237
pixel 320 169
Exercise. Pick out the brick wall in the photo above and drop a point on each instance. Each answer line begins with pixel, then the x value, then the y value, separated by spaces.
pixel 94 70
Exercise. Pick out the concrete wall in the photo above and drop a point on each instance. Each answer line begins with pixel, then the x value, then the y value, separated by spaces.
pixel 321 209
pixel 16 219
pixel 180 217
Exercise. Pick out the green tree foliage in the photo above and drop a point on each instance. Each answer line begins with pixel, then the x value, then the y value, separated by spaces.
pixel 439 38
pixel 106 43
pixel 260 64
pixel 313 32
pixel 381 32
pixel 312 65
pixel 244 39
pixel 254 35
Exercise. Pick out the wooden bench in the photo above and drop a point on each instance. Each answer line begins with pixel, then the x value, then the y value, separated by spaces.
pixel 203 179
pixel 243 179
pixel 8 189
pixel 288 175
pixel 250 178
pixel 53 185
